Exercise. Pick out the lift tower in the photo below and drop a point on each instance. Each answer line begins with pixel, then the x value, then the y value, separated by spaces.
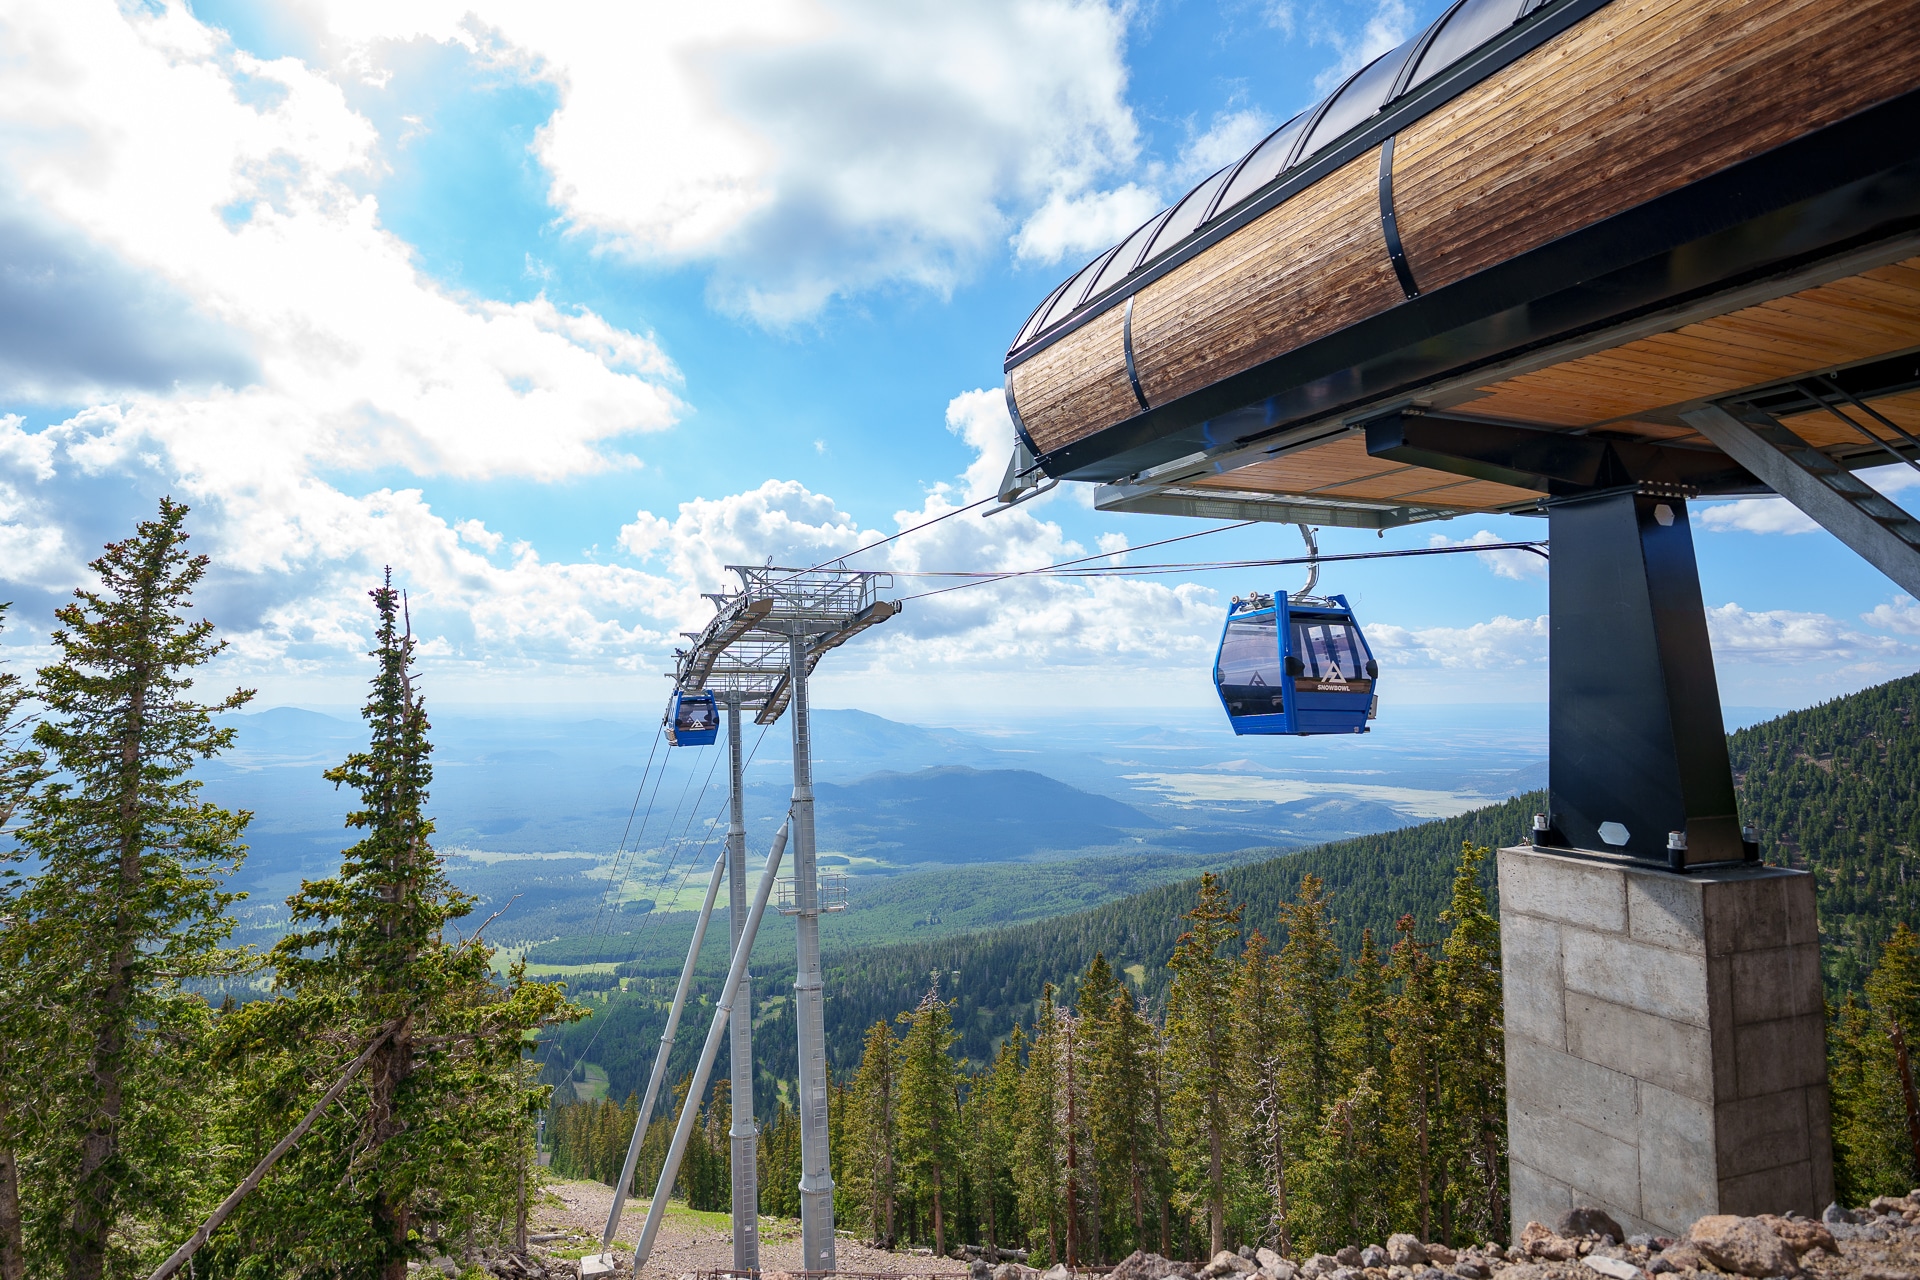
pixel 757 653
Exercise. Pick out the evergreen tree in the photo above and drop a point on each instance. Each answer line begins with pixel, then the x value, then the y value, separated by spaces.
pixel 992 1114
pixel 125 906
pixel 368 960
pixel 929 1125
pixel 1413 1078
pixel 1039 1146
pixel 1873 1143
pixel 1121 1050
pixel 870 1123
pixel 1308 973
pixel 1260 1132
pixel 22 1068
pixel 1202 1053
pixel 1348 1181
pixel 1473 1079
pixel 779 1160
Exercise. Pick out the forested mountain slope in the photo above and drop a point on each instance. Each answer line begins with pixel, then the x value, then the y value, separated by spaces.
pixel 1836 789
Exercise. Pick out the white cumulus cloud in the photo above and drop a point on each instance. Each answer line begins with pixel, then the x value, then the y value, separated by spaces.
pixel 806 149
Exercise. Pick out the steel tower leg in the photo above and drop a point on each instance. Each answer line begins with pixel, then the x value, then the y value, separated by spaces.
pixel 816 1180
pixel 745 1132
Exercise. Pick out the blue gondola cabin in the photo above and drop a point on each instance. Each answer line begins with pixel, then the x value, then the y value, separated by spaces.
pixel 693 720
pixel 1295 666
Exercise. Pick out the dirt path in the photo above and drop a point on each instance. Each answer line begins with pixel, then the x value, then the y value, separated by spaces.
pixel 693 1241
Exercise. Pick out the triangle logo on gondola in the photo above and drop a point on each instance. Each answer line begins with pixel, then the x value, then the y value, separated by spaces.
pixel 1334 676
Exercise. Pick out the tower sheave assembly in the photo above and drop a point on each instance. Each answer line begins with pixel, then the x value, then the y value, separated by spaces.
pixel 1588 261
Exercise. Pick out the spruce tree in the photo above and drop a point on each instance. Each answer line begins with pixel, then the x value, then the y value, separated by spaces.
pixel 1038 1148
pixel 125 905
pixel 870 1121
pixel 1473 1080
pixel 1261 1129
pixel 21 1069
pixel 994 1103
pixel 1121 1093
pixel 1413 1074
pixel 929 1119
pixel 1202 1052
pixel 368 959
pixel 1348 1181
pixel 1309 973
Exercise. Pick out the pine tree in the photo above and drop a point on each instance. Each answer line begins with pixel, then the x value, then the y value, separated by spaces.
pixel 1199 1032
pixel 1873 1143
pixel 1309 972
pixel 1348 1181
pixel 1473 1079
pixel 1413 1075
pixel 992 1116
pixel 126 904
pixel 870 1122
pixel 20 770
pixel 368 958
pixel 1038 1148
pixel 929 1120
pixel 1261 1123
pixel 1120 1091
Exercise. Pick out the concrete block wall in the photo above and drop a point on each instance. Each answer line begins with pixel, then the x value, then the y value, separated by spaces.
pixel 1666 1041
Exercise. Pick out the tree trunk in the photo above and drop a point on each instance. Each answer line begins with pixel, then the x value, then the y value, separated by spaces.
pixel 13 1257
pixel 93 1190
pixel 1073 1168
pixel 1282 1208
pixel 939 1218
pixel 390 1214
pixel 1216 1180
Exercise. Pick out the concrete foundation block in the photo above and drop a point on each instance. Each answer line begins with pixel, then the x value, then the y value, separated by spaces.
pixel 1666 1043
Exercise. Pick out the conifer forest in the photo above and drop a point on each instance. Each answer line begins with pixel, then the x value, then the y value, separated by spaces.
pixel 1298 1053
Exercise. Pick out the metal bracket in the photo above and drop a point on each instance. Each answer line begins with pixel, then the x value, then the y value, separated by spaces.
pixel 1840 502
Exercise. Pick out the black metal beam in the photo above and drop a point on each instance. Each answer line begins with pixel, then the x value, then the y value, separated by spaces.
pixel 1558 463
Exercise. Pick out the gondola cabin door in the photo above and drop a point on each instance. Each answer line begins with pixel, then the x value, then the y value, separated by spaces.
pixel 1295 666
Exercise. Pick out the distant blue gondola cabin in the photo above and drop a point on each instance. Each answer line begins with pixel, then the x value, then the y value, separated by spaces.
pixel 1297 666
pixel 693 720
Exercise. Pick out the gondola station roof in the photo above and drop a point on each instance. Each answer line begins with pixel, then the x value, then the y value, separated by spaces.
pixel 1525 251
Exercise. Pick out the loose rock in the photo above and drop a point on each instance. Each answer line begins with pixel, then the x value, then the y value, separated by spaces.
pixel 1536 1241
pixel 1613 1267
pixel 1587 1220
pixel 1440 1253
pixel 1349 1256
pixel 1745 1246
pixel 1320 1264
pixel 1802 1236
pixel 1406 1250
pixel 1374 1257
pixel 1138 1266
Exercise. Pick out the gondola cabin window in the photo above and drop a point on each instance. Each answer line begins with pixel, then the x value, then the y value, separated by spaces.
pixel 1331 651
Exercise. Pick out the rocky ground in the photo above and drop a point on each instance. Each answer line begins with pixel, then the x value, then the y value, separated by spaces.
pixel 571 1216
pixel 1880 1242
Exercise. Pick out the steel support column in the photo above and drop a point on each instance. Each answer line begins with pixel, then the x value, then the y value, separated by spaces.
pixel 745 1131
pixel 1636 746
pixel 816 1179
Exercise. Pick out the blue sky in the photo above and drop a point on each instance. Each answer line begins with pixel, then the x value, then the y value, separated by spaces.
pixel 559 308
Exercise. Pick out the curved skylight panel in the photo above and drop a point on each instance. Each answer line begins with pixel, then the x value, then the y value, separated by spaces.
pixel 1128 257
pixel 1359 100
pixel 1040 313
pixel 1187 214
pixel 1076 289
pixel 1267 162
pixel 1472 25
